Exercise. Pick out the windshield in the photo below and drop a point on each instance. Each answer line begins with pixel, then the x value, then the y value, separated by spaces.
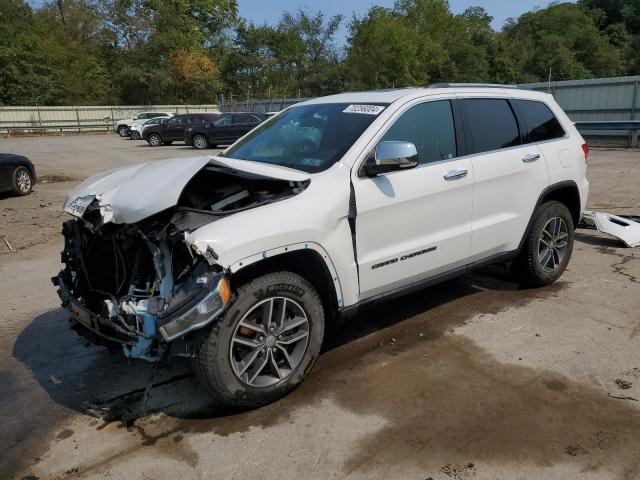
pixel 310 138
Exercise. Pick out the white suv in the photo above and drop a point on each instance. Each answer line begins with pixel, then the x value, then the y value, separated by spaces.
pixel 123 127
pixel 239 260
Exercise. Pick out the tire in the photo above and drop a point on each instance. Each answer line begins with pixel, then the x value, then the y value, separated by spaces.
pixel 217 358
pixel 135 135
pixel 548 246
pixel 22 182
pixel 123 130
pixel 200 142
pixel 167 142
pixel 155 140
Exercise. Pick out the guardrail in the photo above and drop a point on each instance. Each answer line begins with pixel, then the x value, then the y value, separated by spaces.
pixel 28 119
pixel 57 128
pixel 633 126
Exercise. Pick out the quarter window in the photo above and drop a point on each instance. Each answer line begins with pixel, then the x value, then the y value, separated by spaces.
pixel 491 122
pixel 541 124
pixel 429 126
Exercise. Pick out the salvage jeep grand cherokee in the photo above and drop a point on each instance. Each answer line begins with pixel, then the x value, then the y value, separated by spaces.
pixel 238 260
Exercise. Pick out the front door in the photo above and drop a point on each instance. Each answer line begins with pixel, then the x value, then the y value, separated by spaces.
pixel 416 223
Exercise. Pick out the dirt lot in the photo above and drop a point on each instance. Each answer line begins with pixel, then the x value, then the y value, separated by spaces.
pixel 473 378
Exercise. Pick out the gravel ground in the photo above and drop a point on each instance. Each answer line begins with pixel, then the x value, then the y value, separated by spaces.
pixel 473 378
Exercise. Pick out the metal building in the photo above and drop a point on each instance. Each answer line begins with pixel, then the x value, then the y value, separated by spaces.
pixel 599 100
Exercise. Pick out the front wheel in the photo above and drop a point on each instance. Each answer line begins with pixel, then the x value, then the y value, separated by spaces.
pixel 200 142
pixel 155 140
pixel 265 344
pixel 22 181
pixel 135 135
pixel 548 246
pixel 123 130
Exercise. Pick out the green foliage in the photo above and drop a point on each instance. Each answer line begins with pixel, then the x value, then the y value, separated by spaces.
pixel 166 51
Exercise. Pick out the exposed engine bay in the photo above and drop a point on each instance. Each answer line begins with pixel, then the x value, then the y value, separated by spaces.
pixel 140 285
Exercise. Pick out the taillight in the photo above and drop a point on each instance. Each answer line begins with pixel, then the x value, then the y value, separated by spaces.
pixel 585 149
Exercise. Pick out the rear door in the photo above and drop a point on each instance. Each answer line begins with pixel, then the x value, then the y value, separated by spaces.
pixel 509 175
pixel 171 128
pixel 221 129
pixel 416 223
pixel 244 123
pixel 177 132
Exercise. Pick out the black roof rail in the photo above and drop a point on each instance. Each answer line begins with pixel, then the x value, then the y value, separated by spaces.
pixel 470 85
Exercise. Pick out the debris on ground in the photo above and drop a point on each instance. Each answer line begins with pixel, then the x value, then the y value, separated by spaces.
pixel 623 384
pixel 623 227
pixel 575 450
pixel 9 246
pixel 623 397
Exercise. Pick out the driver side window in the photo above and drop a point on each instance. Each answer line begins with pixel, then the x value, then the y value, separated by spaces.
pixel 430 127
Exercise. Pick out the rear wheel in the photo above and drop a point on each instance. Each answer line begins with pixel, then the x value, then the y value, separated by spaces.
pixel 22 181
pixel 155 140
pixel 200 142
pixel 265 344
pixel 548 246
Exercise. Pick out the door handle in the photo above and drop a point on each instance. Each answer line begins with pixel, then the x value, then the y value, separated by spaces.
pixel 455 174
pixel 531 157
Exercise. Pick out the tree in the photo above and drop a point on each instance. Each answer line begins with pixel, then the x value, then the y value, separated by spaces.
pixel 562 38
pixel 194 75
pixel 383 51
pixel 306 48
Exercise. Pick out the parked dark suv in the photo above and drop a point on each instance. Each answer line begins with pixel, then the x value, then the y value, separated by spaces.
pixel 174 128
pixel 225 129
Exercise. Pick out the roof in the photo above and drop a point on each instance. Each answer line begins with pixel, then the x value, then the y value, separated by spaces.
pixel 391 95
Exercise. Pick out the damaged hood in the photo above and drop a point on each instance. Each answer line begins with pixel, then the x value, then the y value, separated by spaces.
pixel 131 194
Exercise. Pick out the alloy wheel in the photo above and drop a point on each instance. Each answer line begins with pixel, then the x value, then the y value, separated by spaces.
pixel 553 244
pixel 23 180
pixel 200 142
pixel 269 342
pixel 155 140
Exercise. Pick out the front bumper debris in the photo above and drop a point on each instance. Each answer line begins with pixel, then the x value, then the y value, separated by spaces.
pixel 626 228
pixel 157 330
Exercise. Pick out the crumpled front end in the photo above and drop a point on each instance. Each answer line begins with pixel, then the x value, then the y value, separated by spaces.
pixel 133 278
pixel 137 286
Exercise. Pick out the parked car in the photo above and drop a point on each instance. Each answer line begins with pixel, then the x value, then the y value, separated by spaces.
pixel 17 174
pixel 239 260
pixel 173 129
pixel 225 129
pixel 123 126
pixel 137 128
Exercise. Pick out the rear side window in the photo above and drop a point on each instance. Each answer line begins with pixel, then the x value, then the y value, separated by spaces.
pixel 429 126
pixel 540 123
pixel 244 118
pixel 491 122
pixel 223 120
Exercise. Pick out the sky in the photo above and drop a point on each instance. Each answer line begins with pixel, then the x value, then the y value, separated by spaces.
pixel 269 11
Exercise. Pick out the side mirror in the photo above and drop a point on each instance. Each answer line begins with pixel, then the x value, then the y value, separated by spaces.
pixel 390 156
